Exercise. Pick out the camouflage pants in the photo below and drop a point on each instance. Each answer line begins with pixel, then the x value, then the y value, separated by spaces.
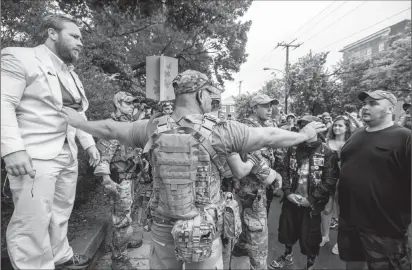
pixel 143 194
pixel 121 219
pixel 380 252
pixel 254 237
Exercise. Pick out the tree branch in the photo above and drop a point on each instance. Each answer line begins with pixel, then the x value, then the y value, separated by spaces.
pixel 133 31
pixel 168 44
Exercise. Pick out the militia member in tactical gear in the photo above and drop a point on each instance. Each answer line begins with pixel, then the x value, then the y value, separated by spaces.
pixel 253 241
pixel 262 106
pixel 167 108
pixel 309 177
pixel 118 167
pixel 188 151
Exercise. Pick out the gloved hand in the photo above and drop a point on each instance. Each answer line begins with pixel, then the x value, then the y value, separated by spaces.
pixel 110 187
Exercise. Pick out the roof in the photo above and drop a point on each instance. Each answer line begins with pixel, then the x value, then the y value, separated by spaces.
pixel 381 33
pixel 229 101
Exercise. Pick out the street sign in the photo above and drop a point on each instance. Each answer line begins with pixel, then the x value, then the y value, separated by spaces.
pixel 160 72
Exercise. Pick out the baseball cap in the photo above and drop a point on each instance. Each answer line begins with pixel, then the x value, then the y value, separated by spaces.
pixel 378 94
pixel 290 115
pixel 262 99
pixel 124 96
pixel 308 118
pixel 406 106
pixel 191 81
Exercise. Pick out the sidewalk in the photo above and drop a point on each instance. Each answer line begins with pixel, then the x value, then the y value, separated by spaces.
pixel 139 257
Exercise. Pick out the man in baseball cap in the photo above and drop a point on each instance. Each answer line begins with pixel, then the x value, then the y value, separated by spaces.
pixel 378 107
pixel 124 105
pixel 372 160
pixel 192 81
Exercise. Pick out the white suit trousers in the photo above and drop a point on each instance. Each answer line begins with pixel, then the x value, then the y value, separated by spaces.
pixel 37 232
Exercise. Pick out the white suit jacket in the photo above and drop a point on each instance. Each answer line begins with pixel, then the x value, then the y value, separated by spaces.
pixel 31 101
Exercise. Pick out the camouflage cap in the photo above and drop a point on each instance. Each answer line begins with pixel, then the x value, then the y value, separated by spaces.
pixel 378 94
pixel 262 99
pixel 124 96
pixel 191 81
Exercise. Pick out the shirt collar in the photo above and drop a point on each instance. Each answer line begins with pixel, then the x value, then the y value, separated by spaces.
pixel 57 62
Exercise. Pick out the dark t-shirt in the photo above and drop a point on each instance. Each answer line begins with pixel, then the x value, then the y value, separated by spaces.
pixel 375 180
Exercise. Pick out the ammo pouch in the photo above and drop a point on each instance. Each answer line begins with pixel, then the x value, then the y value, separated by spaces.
pixel 232 224
pixel 193 238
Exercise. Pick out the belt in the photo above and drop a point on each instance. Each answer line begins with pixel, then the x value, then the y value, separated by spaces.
pixel 163 221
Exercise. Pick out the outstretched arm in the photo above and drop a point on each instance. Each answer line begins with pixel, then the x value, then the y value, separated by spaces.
pixel 280 138
pixel 104 129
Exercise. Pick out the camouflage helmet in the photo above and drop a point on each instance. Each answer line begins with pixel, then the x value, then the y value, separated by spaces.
pixel 190 81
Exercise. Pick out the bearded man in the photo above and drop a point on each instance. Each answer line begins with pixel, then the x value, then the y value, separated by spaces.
pixel 38 146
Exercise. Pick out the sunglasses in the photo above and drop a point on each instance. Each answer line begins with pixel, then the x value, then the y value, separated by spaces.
pixel 167 104
pixel 216 100
pixel 127 103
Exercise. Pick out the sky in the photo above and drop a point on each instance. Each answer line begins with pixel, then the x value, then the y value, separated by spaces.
pixel 315 24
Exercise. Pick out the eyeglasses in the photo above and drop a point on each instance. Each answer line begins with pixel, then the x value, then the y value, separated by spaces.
pixel 216 101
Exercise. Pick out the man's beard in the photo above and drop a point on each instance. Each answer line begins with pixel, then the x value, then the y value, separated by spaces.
pixel 64 53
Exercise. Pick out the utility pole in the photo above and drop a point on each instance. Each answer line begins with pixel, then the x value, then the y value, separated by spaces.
pixel 287 86
pixel 240 87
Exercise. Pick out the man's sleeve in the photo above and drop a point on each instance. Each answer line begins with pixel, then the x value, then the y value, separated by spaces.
pixel 285 172
pixel 13 84
pixel 85 139
pixel 231 137
pixel 139 133
pixel 330 176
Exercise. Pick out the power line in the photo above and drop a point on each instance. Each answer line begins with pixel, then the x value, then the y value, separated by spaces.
pixel 330 13
pixel 327 46
pixel 306 23
pixel 264 56
pixel 336 21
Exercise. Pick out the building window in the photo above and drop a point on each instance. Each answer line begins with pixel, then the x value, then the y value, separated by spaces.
pixel 381 46
pixel 369 51
pixel 223 108
pixel 232 108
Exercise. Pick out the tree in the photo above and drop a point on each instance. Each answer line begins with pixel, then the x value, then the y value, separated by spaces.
pixel 309 84
pixel 118 35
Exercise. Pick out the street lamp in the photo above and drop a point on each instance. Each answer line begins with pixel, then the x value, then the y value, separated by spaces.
pixel 286 87
pixel 274 69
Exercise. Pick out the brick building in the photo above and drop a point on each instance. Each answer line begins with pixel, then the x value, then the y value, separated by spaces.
pixel 229 106
pixel 373 44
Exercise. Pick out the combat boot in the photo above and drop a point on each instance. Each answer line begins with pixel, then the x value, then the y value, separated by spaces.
pixel 135 243
pixel 122 263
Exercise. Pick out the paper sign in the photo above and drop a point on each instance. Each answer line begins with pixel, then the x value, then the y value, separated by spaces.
pixel 160 72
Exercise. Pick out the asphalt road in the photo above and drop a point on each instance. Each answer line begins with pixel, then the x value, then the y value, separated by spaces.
pixel 325 260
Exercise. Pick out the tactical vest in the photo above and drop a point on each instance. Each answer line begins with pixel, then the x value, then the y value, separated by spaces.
pixel 186 173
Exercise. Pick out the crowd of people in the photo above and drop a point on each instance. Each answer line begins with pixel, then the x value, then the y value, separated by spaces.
pixel 202 185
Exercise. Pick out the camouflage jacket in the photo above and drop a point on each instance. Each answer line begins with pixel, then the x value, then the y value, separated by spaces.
pixel 253 184
pixel 117 160
pixel 265 153
pixel 322 178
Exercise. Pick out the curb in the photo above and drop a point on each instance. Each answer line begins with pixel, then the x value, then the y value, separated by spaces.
pixel 89 242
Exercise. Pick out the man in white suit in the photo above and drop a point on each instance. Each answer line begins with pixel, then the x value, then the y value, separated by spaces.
pixel 38 146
